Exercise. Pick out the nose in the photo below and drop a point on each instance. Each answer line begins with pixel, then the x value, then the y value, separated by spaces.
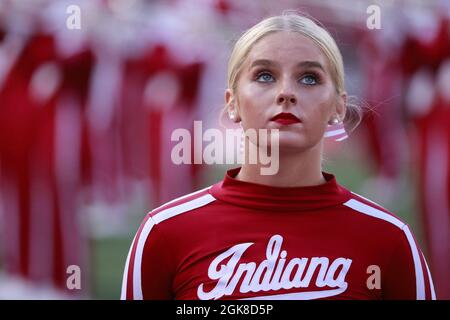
pixel 286 98
pixel 286 94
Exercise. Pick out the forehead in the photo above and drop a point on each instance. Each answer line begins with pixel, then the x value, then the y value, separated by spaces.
pixel 288 48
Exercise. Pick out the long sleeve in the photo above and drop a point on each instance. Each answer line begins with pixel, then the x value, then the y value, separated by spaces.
pixel 147 273
pixel 407 275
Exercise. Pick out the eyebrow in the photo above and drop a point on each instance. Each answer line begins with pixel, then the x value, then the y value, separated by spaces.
pixel 303 64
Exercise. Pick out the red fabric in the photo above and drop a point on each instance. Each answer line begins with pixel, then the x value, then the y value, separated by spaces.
pixel 152 122
pixel 173 254
pixel 27 136
pixel 433 160
pixel 28 161
pixel 431 150
pixel 383 123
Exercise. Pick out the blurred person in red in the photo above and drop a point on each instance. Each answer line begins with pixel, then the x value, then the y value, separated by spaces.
pixel 425 64
pixel 44 159
pixel 159 95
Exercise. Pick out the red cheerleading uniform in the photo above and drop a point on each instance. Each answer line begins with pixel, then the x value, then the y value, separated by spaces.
pixel 241 240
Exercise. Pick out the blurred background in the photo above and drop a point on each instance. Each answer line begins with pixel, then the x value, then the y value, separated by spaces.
pixel 90 92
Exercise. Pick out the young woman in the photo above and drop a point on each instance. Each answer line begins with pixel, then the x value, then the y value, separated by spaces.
pixel 295 234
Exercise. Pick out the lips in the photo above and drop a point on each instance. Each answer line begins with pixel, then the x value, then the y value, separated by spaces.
pixel 285 118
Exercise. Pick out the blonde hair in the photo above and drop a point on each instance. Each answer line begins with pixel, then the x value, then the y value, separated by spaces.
pixel 291 21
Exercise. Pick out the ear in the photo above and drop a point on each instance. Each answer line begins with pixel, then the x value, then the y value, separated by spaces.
pixel 341 106
pixel 232 107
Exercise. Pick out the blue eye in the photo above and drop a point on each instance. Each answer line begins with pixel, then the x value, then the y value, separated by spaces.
pixel 264 77
pixel 309 80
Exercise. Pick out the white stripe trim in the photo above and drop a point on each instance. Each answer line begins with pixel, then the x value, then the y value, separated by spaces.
pixel 430 280
pixel 183 207
pixel 157 218
pixel 181 198
pixel 373 212
pixel 373 202
pixel 137 284
pixel 309 295
pixel 333 133
pixel 123 295
pixel 420 285
pixel 370 211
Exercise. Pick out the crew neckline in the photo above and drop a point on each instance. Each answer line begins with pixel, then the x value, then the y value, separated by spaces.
pixel 270 198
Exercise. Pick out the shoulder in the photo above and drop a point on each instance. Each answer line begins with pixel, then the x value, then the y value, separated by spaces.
pixel 373 213
pixel 403 256
pixel 389 230
pixel 182 205
pixel 165 222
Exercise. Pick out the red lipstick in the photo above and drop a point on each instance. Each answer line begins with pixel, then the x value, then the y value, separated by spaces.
pixel 285 118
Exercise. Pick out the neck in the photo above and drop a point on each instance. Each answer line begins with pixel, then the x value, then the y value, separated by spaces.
pixel 296 169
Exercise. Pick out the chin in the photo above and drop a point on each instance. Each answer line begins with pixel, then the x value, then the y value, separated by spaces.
pixel 292 144
pixel 290 140
pixel 293 147
pixel 295 142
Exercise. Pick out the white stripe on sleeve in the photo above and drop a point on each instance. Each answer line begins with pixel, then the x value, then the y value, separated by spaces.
pixel 373 212
pixel 137 285
pixel 123 295
pixel 420 285
pixel 157 218
pixel 430 280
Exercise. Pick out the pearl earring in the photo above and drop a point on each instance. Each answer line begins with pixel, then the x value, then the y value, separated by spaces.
pixel 232 116
pixel 334 121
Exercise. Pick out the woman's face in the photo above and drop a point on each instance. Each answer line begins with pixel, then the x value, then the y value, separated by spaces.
pixel 286 73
